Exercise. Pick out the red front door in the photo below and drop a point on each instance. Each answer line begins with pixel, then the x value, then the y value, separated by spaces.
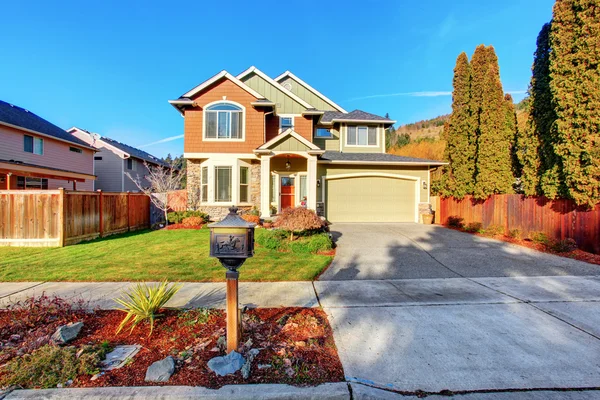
pixel 287 192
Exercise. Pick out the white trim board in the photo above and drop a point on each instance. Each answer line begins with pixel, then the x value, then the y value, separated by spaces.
pixel 226 75
pixel 258 72
pixel 284 134
pixel 310 88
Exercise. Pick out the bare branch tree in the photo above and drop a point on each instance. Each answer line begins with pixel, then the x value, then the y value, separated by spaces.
pixel 158 183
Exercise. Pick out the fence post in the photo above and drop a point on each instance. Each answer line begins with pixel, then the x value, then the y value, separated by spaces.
pixel 62 204
pixel 128 214
pixel 100 212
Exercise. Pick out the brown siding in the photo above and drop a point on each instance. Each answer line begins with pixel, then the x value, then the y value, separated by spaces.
pixel 193 124
pixel 304 127
pixel 272 126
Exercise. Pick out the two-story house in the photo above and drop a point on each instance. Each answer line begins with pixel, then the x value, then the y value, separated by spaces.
pixel 36 154
pixel 264 143
pixel 114 160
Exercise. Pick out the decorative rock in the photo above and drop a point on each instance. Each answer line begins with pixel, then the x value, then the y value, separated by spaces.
pixel 93 378
pixel 248 364
pixel 160 371
pixel 226 365
pixel 264 366
pixel 66 333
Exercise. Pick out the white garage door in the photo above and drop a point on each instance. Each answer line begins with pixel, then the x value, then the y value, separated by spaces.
pixel 370 199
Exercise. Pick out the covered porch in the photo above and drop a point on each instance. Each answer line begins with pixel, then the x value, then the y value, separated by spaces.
pixel 23 176
pixel 288 173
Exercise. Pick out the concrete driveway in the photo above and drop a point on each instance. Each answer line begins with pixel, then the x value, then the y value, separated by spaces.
pixel 423 308
pixel 416 251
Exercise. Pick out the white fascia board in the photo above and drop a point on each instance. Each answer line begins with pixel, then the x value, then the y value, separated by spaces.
pixel 226 75
pixel 359 121
pixel 108 146
pixel 282 135
pixel 315 91
pixel 274 83
pixel 213 155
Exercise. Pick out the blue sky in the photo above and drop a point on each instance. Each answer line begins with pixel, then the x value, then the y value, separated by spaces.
pixel 110 66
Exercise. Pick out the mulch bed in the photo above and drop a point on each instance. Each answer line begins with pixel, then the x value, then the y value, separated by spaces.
pixel 577 254
pixel 296 345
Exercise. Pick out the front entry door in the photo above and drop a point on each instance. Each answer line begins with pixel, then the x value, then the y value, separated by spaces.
pixel 287 192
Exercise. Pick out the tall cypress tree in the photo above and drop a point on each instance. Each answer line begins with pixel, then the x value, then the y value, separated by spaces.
pixel 535 149
pixel 575 87
pixel 510 128
pixel 493 169
pixel 460 134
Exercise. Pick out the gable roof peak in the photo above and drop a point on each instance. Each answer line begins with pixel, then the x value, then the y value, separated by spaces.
pixel 327 100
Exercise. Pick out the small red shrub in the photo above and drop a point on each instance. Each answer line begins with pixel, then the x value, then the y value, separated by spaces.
pixel 192 221
pixel 255 219
pixel 298 219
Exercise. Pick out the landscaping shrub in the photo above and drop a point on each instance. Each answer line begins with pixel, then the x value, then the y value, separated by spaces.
pixel 312 244
pixel 494 230
pixel 474 227
pixel 275 239
pixel 255 219
pixel 177 217
pixel 563 246
pixel 255 212
pixel 515 234
pixel 455 222
pixel 539 237
pixel 299 220
pixel 193 221
pixel 143 302
pixel 51 365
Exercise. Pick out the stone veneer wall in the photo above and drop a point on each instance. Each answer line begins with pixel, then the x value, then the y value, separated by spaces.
pixel 217 213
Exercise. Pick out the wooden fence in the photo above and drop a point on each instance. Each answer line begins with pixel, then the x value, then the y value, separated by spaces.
pixel 60 217
pixel 559 219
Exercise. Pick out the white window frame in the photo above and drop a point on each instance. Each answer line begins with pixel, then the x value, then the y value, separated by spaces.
pixel 133 164
pixel 291 116
pixel 205 121
pixel 322 137
pixel 34 140
pixel 215 184
pixel 247 184
pixel 204 184
pixel 225 160
pixel 377 128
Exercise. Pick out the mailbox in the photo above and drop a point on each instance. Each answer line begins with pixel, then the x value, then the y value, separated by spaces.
pixel 232 240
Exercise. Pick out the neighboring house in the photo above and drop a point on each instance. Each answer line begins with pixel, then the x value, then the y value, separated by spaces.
pixel 264 143
pixel 36 154
pixel 114 160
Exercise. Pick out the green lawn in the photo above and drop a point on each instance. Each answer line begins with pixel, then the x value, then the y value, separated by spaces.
pixel 175 255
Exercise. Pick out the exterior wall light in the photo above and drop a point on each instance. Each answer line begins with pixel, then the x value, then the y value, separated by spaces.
pixel 288 164
pixel 232 242
pixel 424 185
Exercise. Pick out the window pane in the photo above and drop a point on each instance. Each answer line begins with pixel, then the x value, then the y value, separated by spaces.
pixel 204 174
pixel 287 122
pixel 223 184
pixel 303 192
pixel 224 107
pixel 372 136
pixel 362 135
pixel 44 183
pixel 204 188
pixel 236 125
pixel 244 175
pixel 272 188
pixel 351 140
pixel 223 125
pixel 38 146
pixel 28 144
pixel 211 125
pixel 323 133
pixel 243 193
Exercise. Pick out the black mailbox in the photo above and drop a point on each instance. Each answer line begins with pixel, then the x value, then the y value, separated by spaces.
pixel 232 240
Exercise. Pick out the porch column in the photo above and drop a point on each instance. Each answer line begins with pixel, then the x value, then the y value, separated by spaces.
pixel 265 183
pixel 311 200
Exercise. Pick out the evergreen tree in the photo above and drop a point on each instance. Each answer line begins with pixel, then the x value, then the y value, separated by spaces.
pixel 535 151
pixel 511 131
pixel 575 87
pixel 460 134
pixel 493 169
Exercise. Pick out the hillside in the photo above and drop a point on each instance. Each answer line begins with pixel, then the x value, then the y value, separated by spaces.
pixel 429 128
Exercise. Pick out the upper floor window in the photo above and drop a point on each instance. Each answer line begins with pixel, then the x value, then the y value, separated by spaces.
pixel 130 164
pixel 323 133
pixel 361 136
pixel 75 150
pixel 33 145
pixel 285 123
pixel 223 121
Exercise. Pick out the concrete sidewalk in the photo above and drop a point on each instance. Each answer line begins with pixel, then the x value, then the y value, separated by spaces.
pixel 100 295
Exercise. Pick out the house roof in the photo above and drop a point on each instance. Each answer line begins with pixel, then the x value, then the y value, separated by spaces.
pixel 310 88
pixel 353 116
pixel 134 152
pixel 379 158
pixel 16 116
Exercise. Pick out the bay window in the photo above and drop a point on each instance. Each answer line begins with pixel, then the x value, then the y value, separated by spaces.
pixel 361 136
pixel 223 121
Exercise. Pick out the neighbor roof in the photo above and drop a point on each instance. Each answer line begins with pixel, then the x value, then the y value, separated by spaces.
pixel 336 156
pixel 133 152
pixel 353 116
pixel 21 118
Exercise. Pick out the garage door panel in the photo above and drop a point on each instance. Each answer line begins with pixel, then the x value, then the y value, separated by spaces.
pixel 370 199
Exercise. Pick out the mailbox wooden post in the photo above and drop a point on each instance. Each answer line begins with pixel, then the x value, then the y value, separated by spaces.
pixel 232 242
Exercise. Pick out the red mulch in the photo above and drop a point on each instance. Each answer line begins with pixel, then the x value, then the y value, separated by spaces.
pixel 577 254
pixel 182 226
pixel 296 342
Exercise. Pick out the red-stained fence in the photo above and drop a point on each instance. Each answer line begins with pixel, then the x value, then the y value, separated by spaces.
pixel 559 219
